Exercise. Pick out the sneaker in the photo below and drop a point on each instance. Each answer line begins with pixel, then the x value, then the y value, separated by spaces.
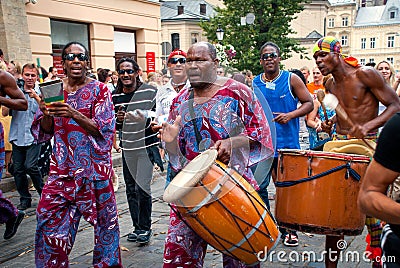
pixel 24 205
pixel 291 240
pixel 132 237
pixel 144 237
pixel 12 225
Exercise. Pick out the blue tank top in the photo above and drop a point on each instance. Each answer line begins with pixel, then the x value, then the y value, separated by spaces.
pixel 281 100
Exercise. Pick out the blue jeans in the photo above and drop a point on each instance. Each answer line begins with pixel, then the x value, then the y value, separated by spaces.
pixel 25 159
pixel 259 170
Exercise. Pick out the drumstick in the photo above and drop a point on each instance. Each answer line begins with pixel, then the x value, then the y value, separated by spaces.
pixel 320 97
pixel 332 103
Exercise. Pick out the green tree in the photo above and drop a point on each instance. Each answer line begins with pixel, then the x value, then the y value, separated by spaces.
pixel 272 23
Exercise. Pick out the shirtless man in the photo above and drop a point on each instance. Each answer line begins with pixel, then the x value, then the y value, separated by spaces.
pixel 9 214
pixel 359 91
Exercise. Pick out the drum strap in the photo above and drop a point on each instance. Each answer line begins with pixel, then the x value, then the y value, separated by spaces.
pixel 193 119
pixel 350 172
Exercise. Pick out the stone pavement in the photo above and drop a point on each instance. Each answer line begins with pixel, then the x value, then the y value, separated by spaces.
pixel 19 251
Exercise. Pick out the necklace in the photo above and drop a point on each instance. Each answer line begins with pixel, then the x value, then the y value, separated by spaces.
pixel 177 85
pixel 266 79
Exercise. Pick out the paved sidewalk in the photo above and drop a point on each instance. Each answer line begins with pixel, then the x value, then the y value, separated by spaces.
pixel 19 251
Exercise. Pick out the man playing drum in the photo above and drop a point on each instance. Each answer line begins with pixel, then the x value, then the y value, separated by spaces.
pixel 223 114
pixel 359 91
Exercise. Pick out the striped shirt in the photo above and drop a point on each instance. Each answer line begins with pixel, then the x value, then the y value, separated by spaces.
pixel 135 135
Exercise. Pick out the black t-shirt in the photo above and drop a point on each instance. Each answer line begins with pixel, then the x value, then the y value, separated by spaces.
pixel 388 151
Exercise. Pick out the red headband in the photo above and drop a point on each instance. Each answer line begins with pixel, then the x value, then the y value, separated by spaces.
pixel 176 52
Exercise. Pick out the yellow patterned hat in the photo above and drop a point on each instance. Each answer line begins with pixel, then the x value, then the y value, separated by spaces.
pixel 329 44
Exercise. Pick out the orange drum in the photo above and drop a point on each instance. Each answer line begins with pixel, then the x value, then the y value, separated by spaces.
pixel 317 192
pixel 222 208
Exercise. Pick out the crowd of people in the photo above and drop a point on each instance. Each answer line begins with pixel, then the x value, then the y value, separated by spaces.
pixel 166 119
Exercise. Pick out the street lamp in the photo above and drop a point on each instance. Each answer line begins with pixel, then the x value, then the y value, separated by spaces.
pixel 220 33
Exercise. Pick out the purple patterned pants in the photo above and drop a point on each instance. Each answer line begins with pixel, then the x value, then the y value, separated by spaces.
pixel 63 203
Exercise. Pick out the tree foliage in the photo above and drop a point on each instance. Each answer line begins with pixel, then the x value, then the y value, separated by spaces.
pixel 272 23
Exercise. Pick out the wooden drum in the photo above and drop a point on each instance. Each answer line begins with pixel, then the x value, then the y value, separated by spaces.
pixel 317 192
pixel 222 208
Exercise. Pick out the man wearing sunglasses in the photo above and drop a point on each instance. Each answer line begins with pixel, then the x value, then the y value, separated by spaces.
pixel 212 112
pixel 133 100
pixel 283 91
pixel 79 182
pixel 177 69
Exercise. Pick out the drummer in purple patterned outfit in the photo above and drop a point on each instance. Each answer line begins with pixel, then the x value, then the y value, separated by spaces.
pixel 79 182
pixel 9 214
pixel 230 119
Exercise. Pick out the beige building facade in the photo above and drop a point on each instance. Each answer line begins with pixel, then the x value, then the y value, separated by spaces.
pixel 180 23
pixel 110 30
pixel 309 26
pixel 367 29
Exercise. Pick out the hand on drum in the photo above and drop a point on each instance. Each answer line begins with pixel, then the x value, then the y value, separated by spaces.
pixel 168 132
pixel 224 148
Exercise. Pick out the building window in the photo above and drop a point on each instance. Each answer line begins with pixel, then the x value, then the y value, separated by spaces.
pixel 175 41
pixel 362 61
pixel 363 3
pixel 344 41
pixel 195 38
pixel 372 42
pixel 331 22
pixel 124 44
pixel 393 14
pixel 390 42
pixel 345 21
pixel 390 59
pixel 363 43
pixel 203 9
pixel 63 32
pixel 371 60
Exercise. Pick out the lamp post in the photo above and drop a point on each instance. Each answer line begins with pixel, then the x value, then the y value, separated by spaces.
pixel 220 34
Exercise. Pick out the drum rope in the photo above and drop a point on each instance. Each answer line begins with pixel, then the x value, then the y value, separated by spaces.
pixel 251 198
pixel 247 192
pixel 349 172
pixel 217 238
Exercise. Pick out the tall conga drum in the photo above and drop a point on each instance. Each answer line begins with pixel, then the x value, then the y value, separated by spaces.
pixel 222 208
pixel 316 192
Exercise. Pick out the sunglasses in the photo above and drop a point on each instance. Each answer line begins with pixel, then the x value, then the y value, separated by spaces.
pixel 128 71
pixel 176 60
pixel 219 72
pixel 266 56
pixel 72 56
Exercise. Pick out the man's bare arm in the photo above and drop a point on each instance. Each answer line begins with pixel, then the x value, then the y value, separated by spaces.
pixel 384 94
pixel 9 87
pixel 301 92
pixel 372 198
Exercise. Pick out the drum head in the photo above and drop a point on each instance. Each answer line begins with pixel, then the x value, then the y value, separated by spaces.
pixel 190 175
